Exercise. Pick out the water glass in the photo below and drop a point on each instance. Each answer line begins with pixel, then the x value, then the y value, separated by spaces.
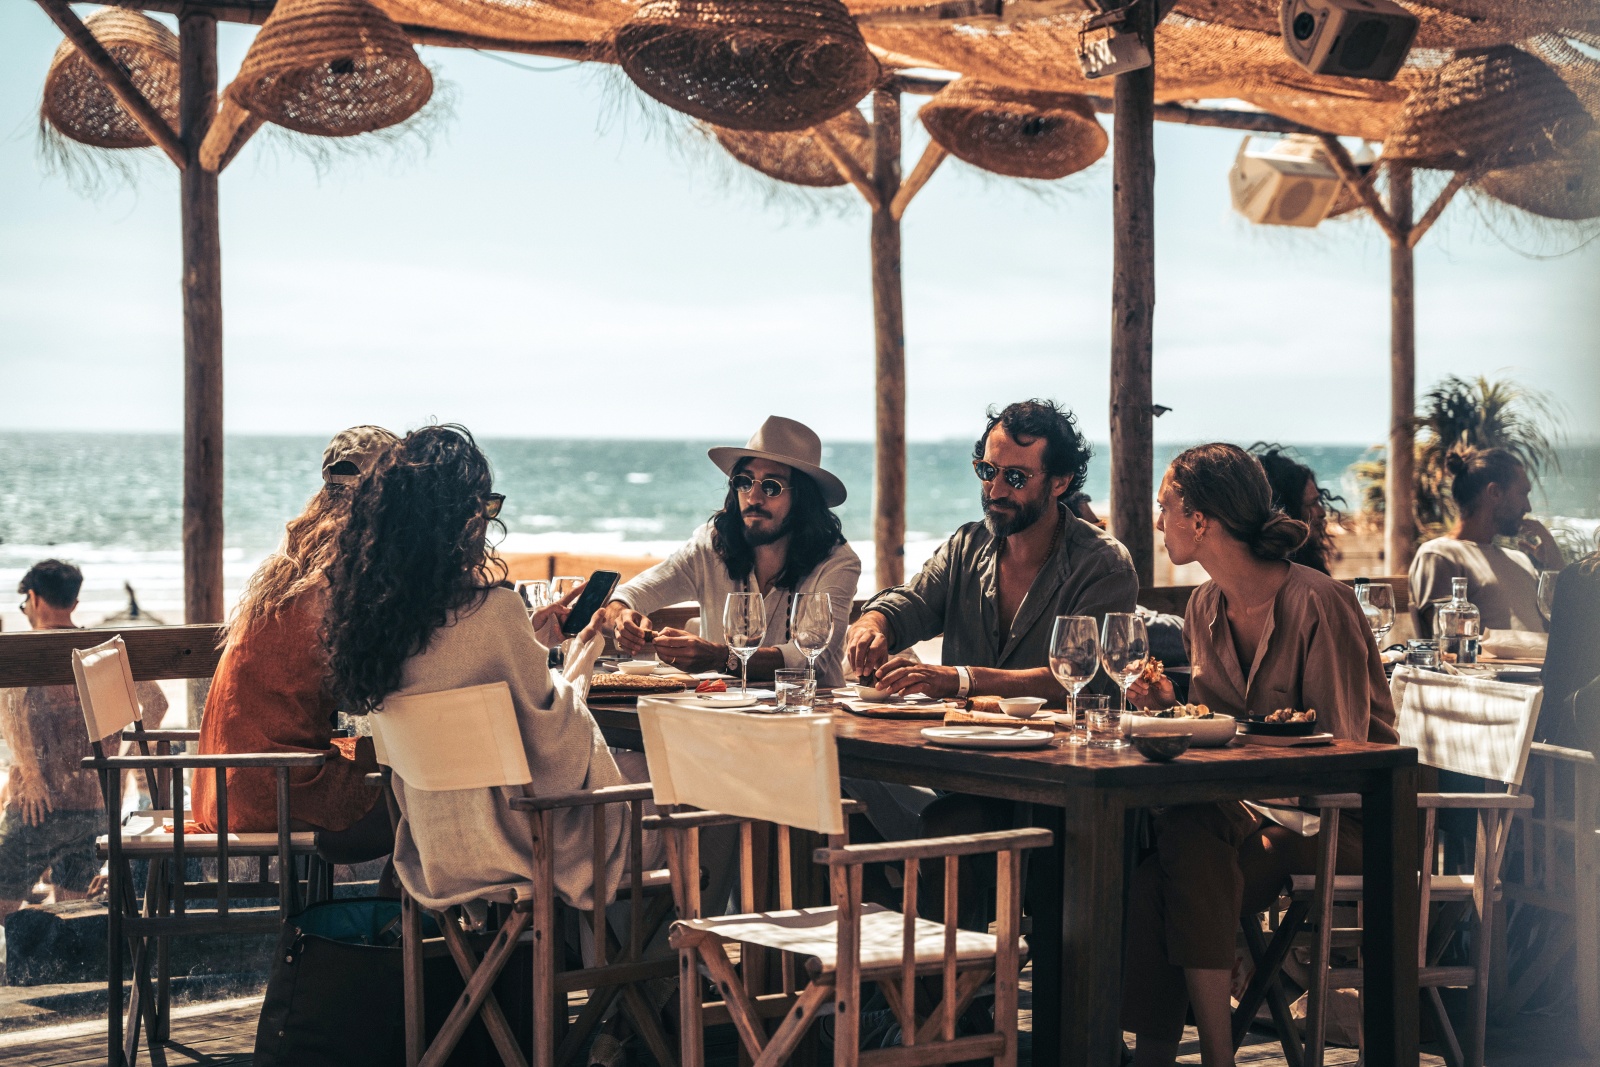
pixel 1087 704
pixel 1105 727
pixel 797 690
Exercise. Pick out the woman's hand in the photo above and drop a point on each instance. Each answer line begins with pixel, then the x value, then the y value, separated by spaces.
pixel 687 652
pixel 547 621
pixel 1147 697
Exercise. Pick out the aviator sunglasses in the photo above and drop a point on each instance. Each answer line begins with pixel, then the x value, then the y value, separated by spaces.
pixel 743 483
pixel 1015 477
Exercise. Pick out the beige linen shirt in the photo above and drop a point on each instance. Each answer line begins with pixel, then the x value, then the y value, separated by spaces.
pixel 1316 652
pixel 1502 582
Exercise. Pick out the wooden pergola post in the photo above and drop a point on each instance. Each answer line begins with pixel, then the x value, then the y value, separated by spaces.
pixel 1400 474
pixel 1133 301
pixel 202 326
pixel 888 318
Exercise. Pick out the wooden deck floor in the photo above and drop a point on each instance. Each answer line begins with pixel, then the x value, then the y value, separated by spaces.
pixel 223 1034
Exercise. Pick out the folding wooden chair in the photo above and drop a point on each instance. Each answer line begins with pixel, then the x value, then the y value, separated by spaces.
pixel 1466 725
pixel 469 739
pixel 784 770
pixel 111 707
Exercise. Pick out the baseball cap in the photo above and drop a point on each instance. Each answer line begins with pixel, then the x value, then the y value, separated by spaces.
pixel 352 452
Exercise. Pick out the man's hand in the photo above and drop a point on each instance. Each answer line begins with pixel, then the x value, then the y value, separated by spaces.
pixel 928 678
pixel 1536 540
pixel 631 629
pixel 866 644
pixel 687 652
pixel 33 796
pixel 1147 697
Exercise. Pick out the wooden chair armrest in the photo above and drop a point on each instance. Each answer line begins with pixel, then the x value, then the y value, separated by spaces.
pixel 162 735
pixel 584 798
pixel 1565 755
pixel 264 760
pixel 1474 800
pixel 933 847
pixel 1342 801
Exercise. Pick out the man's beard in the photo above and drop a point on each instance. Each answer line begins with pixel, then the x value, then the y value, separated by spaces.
pixel 1003 522
pixel 1508 525
pixel 757 538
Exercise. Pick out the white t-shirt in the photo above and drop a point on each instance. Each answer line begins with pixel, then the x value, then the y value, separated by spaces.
pixel 1502 582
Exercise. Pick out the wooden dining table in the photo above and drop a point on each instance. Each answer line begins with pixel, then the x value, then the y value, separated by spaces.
pixel 1089 798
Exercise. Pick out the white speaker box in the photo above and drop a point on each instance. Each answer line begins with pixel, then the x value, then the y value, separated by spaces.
pixel 1348 38
pixel 1288 183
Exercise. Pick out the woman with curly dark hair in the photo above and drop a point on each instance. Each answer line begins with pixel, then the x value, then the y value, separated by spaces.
pixel 417 605
pixel 1297 495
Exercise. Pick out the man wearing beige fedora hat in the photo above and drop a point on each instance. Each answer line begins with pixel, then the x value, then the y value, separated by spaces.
pixel 774 535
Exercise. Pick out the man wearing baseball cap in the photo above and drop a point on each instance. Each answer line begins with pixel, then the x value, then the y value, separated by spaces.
pixel 774 535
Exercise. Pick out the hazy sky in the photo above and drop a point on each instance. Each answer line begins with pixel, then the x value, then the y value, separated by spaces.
pixel 552 270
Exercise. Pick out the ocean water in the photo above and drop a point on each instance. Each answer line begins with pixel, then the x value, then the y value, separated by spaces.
pixel 112 503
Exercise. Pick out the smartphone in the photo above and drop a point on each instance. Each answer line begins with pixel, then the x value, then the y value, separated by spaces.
pixel 596 591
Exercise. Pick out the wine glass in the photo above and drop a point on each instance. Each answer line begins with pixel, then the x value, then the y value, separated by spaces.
pixel 811 624
pixel 1074 660
pixel 1124 648
pixel 561 586
pixel 1547 594
pixel 1379 609
pixel 744 624
pixel 535 595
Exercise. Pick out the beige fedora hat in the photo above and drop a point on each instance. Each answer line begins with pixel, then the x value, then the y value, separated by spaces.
pixel 788 442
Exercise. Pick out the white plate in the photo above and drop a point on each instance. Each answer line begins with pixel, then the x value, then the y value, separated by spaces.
pixel 988 736
pixel 730 699
pixel 1513 670
pixel 851 692
pixel 664 670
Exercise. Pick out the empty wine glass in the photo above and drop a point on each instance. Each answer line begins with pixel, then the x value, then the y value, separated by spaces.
pixel 535 595
pixel 1547 593
pixel 1379 609
pixel 811 624
pixel 1124 648
pixel 561 586
pixel 744 624
pixel 1074 660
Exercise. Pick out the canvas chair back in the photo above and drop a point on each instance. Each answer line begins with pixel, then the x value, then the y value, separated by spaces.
pixel 780 769
pixel 105 689
pixel 454 739
pixel 1467 725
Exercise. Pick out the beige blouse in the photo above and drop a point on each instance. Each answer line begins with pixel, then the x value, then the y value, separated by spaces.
pixel 1316 651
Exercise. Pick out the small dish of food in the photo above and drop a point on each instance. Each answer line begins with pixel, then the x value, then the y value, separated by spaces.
pixel 1285 722
pixel 1021 707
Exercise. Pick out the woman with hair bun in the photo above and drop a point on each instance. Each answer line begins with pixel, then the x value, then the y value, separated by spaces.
pixel 1491 490
pixel 1263 634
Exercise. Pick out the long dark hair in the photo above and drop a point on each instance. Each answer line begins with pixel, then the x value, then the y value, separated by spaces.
pixel 1227 485
pixel 814 532
pixel 413 552
pixel 1289 478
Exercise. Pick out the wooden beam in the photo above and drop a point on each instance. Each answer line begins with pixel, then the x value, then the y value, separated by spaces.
pixel 889 498
pixel 230 131
pixel 115 75
pixel 1361 186
pixel 155 653
pixel 1458 181
pixel 929 162
pixel 1133 299
pixel 846 165
pixel 1400 477
pixel 202 327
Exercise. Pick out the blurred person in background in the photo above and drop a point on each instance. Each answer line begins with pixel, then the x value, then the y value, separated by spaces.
pixel 1297 494
pixel 1491 488
pixel 53 806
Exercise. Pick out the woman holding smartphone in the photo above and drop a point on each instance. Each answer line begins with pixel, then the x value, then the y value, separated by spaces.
pixel 417 604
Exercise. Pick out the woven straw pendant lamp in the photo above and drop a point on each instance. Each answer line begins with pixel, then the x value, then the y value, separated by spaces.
pixel 334 68
pixel 76 100
pixel 764 65
pixel 1489 108
pixel 1016 132
pixel 797 158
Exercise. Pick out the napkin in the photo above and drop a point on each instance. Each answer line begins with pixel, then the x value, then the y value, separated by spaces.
pixel 1515 644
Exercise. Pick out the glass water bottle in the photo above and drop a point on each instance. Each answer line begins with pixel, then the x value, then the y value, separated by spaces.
pixel 1458 624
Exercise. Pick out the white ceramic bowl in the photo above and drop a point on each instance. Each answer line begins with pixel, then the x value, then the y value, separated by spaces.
pixel 1208 733
pixel 638 666
pixel 1021 707
pixel 876 696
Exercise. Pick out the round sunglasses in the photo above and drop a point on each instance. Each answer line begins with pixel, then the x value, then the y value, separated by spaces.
pixel 1015 477
pixel 743 483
